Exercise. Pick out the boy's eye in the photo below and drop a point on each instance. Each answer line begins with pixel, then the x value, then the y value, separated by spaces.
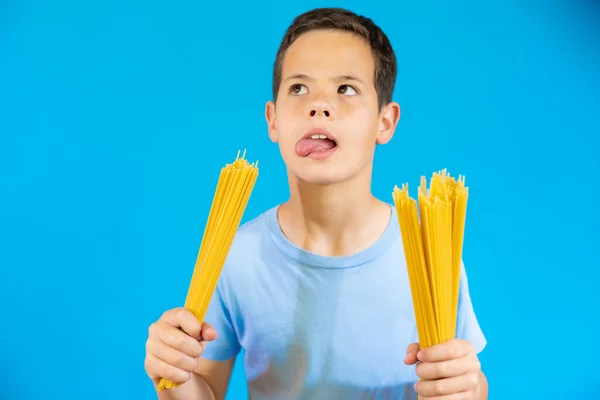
pixel 298 89
pixel 348 90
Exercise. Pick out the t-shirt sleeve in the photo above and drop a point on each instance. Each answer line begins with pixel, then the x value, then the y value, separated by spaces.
pixel 221 317
pixel 467 326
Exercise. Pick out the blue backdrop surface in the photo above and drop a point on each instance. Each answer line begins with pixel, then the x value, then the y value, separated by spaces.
pixel 115 118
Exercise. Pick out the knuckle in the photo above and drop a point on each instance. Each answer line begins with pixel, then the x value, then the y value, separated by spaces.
pixel 152 372
pixel 172 339
pixel 156 330
pixel 163 372
pixel 439 386
pixel 152 329
pixel 467 395
pixel 182 313
pixel 454 350
pixel 466 345
pixel 421 370
pixel 473 380
pixel 152 347
pixel 166 372
pixel 178 341
pixel 167 338
pixel 197 349
pixel 148 366
pixel 179 360
pixel 193 364
pixel 166 314
pixel 176 375
pixel 442 369
pixel 186 363
pixel 182 376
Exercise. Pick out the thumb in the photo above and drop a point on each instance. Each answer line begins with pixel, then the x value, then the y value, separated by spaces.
pixel 411 354
pixel 208 332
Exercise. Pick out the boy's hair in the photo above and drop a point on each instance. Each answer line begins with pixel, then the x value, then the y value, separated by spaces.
pixel 344 20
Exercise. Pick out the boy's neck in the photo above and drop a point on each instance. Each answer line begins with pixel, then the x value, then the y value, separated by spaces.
pixel 333 220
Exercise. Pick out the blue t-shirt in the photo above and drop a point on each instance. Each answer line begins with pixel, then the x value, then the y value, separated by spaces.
pixel 315 327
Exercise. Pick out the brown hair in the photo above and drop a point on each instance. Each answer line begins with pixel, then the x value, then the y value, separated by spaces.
pixel 345 20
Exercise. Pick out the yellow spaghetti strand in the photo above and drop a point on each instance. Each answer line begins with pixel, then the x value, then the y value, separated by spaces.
pixel 234 187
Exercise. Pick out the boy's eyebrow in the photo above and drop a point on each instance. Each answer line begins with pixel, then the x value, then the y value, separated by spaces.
pixel 348 78
pixel 299 76
pixel 336 78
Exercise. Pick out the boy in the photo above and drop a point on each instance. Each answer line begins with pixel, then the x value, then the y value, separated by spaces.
pixel 316 289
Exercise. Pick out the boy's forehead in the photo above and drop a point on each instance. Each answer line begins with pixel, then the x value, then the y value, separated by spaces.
pixel 329 52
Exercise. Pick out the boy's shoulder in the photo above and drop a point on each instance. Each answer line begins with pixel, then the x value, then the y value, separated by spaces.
pixel 250 238
pixel 257 226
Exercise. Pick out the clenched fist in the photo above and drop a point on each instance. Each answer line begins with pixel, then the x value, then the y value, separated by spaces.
pixel 175 343
pixel 450 370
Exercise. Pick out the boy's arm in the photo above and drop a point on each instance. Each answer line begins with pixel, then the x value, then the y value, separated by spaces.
pixel 215 376
pixel 209 382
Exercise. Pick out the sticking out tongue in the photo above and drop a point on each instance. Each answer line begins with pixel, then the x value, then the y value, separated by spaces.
pixel 307 146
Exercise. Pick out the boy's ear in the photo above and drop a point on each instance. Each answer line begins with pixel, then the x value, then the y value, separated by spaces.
pixel 270 117
pixel 389 117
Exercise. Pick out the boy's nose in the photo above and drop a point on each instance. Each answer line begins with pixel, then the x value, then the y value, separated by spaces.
pixel 320 110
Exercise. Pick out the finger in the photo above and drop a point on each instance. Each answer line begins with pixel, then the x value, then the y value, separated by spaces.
pixel 160 369
pixel 447 386
pixel 208 332
pixel 172 356
pixel 176 338
pixel 411 354
pixel 447 369
pixel 449 350
pixel 184 319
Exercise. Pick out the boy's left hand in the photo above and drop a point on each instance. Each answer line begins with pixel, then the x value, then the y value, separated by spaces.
pixel 450 370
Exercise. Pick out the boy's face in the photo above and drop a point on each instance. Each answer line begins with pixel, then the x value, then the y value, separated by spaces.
pixel 327 89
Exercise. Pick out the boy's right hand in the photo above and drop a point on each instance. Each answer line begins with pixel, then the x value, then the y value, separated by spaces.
pixel 175 343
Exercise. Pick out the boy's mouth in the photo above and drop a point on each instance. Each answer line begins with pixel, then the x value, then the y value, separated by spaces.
pixel 317 143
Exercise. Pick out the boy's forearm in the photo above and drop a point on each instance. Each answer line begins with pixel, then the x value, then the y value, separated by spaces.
pixel 194 389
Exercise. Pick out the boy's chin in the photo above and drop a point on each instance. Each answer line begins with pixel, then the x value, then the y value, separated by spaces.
pixel 321 176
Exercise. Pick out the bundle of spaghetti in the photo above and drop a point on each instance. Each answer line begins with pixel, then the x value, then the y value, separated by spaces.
pixel 432 231
pixel 232 193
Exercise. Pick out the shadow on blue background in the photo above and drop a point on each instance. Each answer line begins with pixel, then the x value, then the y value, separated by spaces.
pixel 115 118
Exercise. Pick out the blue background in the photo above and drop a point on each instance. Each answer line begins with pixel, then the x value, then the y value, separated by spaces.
pixel 116 116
